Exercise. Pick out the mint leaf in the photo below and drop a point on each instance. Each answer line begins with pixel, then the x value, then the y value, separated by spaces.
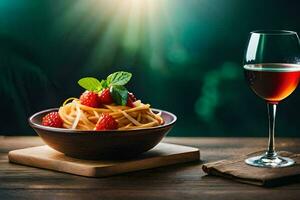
pixel 120 94
pixel 118 78
pixel 115 79
pixel 90 84
pixel 104 84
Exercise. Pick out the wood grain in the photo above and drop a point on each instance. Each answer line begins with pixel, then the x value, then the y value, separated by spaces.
pixel 184 181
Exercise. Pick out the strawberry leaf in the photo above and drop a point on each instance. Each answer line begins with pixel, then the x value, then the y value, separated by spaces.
pixel 91 84
pixel 118 78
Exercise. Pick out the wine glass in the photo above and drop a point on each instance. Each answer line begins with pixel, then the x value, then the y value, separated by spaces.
pixel 272 70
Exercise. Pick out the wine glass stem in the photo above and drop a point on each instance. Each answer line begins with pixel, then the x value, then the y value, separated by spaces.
pixel 271 115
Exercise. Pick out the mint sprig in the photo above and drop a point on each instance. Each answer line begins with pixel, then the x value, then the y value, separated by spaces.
pixel 115 82
pixel 119 94
pixel 118 78
pixel 91 84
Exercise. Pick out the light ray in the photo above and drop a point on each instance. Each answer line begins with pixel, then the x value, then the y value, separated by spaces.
pixel 155 43
pixel 126 28
pixel 132 35
pixel 106 47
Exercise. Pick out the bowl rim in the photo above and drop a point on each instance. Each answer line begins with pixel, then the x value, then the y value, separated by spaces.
pixel 64 130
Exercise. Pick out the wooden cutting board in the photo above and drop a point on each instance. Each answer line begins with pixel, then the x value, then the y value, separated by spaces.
pixel 45 157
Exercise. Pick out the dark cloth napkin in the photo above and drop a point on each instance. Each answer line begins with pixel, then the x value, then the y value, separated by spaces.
pixel 236 169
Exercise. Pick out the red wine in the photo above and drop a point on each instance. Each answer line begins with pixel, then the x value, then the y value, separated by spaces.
pixel 273 81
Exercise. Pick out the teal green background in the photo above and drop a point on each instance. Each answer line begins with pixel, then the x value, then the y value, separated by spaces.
pixel 185 56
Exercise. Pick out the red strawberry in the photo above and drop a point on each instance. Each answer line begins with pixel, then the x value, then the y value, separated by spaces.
pixel 106 122
pixel 131 96
pixel 105 97
pixel 130 100
pixel 130 103
pixel 90 99
pixel 52 119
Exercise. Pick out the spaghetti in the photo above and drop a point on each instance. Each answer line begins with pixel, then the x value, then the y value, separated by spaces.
pixel 78 116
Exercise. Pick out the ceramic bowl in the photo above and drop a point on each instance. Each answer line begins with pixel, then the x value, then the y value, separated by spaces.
pixel 101 144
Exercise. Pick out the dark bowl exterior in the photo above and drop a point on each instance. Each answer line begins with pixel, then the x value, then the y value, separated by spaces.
pixel 101 144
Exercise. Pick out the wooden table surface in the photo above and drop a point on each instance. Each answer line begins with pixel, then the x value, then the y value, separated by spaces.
pixel 183 181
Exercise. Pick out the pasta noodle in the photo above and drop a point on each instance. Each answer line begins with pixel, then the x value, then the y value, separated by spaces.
pixel 81 117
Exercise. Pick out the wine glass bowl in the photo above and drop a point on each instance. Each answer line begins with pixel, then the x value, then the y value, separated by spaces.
pixel 272 81
pixel 272 70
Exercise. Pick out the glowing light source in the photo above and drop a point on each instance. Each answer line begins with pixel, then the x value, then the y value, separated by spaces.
pixel 129 27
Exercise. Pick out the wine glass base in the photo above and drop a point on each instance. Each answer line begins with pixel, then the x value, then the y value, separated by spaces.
pixel 274 162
